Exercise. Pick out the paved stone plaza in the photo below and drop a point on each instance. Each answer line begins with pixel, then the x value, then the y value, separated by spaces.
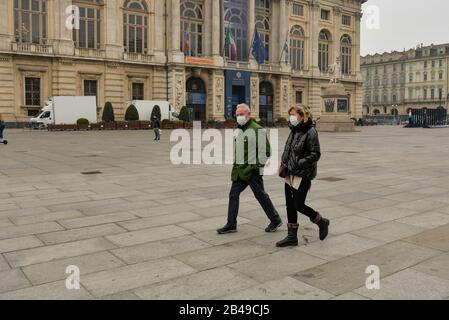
pixel 144 229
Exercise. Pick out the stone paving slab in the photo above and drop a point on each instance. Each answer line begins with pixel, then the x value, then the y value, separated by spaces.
pixel 347 274
pixel 208 284
pixel 145 229
pixel 409 285
pixel 134 276
pixel 80 234
pixel 56 270
pixel 284 289
pixel 58 251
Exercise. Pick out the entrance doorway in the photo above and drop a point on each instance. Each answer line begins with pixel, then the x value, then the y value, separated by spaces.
pixel 238 97
pixel 266 102
pixel 196 99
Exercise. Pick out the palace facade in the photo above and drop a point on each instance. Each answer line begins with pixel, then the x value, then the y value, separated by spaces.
pixel 178 51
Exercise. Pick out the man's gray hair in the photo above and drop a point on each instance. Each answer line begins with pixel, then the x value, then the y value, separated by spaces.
pixel 244 106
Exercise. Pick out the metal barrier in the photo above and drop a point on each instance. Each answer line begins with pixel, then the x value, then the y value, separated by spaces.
pixel 427 118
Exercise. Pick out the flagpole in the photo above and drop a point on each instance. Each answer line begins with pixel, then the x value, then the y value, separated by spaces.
pixel 283 47
pixel 252 42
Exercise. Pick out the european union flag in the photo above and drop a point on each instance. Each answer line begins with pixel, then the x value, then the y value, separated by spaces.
pixel 259 51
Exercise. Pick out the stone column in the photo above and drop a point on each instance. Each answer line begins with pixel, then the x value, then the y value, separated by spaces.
pixel 255 95
pixel 314 18
pixel 216 31
pixel 251 27
pixel 60 35
pixel 159 36
pixel 283 28
pixel 6 25
pixel 217 107
pixel 113 30
pixel 336 34
pixel 356 46
pixel 175 32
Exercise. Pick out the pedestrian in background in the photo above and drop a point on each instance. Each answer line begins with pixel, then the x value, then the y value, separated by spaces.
pixel 2 128
pixel 156 125
pixel 299 167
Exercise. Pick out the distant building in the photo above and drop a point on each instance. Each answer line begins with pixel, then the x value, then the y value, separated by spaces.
pixel 397 81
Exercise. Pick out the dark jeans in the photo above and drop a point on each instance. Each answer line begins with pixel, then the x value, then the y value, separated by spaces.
pixel 256 185
pixel 2 127
pixel 157 134
pixel 295 200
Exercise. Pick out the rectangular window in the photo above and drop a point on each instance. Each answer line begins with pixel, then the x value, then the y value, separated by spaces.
pixel 346 20
pixel 298 97
pixel 325 14
pixel 32 91
pixel 138 91
pixel 298 10
pixel 90 88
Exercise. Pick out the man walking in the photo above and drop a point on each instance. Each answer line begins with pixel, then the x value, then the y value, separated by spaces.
pixel 156 125
pixel 247 173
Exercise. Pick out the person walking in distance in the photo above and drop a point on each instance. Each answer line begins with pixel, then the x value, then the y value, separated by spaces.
pixel 2 128
pixel 246 172
pixel 298 168
pixel 156 125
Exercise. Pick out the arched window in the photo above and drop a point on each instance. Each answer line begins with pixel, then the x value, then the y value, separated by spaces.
pixel 263 18
pixel 30 21
pixel 192 20
pixel 89 33
pixel 346 54
pixel 135 26
pixel 323 50
pixel 297 47
pixel 236 18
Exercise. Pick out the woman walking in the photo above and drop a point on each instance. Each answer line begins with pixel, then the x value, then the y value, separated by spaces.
pixel 299 168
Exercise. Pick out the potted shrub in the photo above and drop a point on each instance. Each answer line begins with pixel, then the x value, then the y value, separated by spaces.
pixel 167 124
pixel 132 117
pixel 281 122
pixel 230 123
pixel 156 112
pixel 82 124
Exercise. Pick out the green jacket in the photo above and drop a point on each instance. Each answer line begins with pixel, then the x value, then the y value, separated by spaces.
pixel 243 170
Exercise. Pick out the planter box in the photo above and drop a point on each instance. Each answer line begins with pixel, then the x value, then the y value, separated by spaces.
pixel 133 125
pixel 82 127
pixel 108 126
pixel 230 125
pixel 145 125
pixel 95 126
pixel 121 126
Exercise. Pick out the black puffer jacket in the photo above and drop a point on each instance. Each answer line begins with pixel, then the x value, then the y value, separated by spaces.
pixel 302 151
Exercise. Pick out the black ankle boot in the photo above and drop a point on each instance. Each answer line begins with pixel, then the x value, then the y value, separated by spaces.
pixel 292 238
pixel 323 225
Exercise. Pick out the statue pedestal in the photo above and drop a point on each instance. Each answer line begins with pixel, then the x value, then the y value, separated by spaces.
pixel 335 123
pixel 335 116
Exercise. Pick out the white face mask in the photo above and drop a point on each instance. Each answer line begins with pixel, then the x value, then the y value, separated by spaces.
pixel 241 120
pixel 294 121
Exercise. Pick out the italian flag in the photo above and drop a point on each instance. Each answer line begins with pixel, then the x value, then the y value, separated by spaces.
pixel 231 43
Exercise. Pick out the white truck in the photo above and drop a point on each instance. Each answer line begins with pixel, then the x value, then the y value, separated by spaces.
pixel 66 110
pixel 145 108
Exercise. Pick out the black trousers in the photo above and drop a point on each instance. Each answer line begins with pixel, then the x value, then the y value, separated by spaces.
pixel 157 134
pixel 295 201
pixel 256 185
pixel 2 127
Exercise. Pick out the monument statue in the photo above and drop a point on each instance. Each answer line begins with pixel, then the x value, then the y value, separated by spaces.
pixel 335 71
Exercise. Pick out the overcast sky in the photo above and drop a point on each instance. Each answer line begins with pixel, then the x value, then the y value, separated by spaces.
pixel 404 24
